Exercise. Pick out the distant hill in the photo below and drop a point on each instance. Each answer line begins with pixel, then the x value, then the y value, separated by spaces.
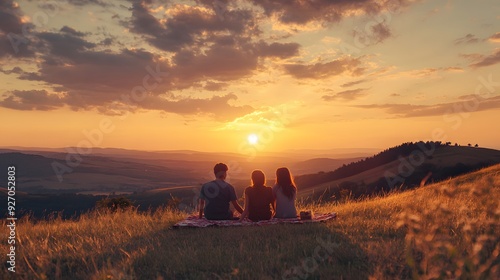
pixel 119 170
pixel 320 164
pixel 402 166
pixel 38 174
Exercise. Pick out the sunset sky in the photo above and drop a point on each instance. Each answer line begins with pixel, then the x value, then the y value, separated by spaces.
pixel 204 75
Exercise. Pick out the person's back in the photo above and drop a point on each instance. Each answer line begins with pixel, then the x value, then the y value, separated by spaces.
pixel 285 206
pixel 260 200
pixel 285 193
pixel 217 194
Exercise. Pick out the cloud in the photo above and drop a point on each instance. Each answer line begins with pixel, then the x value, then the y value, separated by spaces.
pixel 65 45
pixel 279 50
pixel 430 71
pixel 381 32
pixel 378 33
pixel 353 83
pixel 88 2
pixel 495 38
pixel 70 64
pixel 212 86
pixel 206 44
pixel 266 118
pixel 324 70
pixel 423 73
pixel 10 17
pixel 217 106
pixel 346 95
pixel 221 63
pixel 13 31
pixel 466 104
pixel 467 39
pixel 83 78
pixel 69 30
pixel 452 69
pixel 487 60
pixel 15 70
pixel 305 11
pixel 32 100
pixel 190 26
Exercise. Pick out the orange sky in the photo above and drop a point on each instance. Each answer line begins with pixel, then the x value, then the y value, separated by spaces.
pixel 203 75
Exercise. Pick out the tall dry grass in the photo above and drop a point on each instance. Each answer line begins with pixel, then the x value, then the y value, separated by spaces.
pixel 448 230
pixel 90 246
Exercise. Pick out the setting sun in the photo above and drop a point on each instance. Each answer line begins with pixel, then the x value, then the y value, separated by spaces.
pixel 253 139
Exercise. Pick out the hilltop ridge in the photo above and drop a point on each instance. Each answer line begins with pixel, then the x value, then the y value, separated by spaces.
pixel 403 166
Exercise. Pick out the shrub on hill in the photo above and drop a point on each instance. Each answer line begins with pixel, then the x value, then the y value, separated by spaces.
pixel 114 204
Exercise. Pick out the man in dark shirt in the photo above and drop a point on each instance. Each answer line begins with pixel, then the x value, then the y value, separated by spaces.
pixel 216 195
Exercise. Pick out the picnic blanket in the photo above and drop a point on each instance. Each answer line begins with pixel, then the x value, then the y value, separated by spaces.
pixel 195 222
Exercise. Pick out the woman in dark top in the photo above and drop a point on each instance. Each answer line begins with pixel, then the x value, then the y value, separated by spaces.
pixel 258 199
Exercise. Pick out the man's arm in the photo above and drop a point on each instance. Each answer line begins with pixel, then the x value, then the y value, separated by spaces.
pixel 237 206
pixel 201 205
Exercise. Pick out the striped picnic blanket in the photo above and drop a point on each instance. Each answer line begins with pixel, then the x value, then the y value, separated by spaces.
pixel 195 222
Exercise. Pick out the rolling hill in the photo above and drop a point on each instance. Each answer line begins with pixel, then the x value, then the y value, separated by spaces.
pixel 150 179
pixel 403 166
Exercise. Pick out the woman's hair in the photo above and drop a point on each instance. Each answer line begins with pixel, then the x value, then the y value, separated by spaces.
pixel 258 178
pixel 285 180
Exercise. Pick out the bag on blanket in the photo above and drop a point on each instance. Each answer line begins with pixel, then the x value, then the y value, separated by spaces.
pixel 306 215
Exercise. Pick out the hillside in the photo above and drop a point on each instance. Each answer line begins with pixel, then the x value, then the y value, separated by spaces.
pixel 445 230
pixel 398 167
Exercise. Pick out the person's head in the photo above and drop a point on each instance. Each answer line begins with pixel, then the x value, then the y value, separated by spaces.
pixel 220 171
pixel 258 178
pixel 285 181
pixel 283 176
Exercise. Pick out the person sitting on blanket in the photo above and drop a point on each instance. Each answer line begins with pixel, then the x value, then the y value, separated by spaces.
pixel 258 199
pixel 217 194
pixel 284 193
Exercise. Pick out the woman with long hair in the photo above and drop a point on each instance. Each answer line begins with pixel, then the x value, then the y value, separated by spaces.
pixel 285 194
pixel 258 199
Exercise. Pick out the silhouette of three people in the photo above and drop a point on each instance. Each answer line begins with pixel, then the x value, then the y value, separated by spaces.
pixel 261 202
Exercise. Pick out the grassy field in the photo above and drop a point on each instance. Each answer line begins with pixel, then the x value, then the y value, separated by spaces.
pixel 449 230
